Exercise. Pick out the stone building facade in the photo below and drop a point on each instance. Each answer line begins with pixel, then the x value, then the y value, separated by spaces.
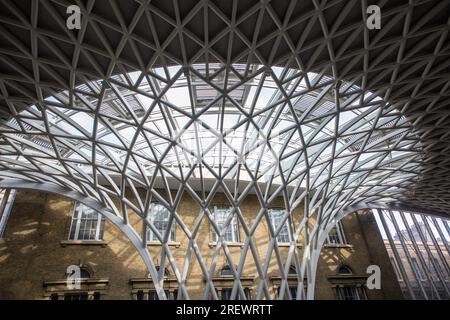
pixel 35 253
pixel 424 279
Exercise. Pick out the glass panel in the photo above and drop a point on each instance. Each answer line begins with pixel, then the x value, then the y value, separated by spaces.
pixel 336 235
pixel 226 271
pixel 54 296
pixel 160 216
pixel 225 294
pixel 221 214
pixel 276 218
pixel 292 290
pixel 152 295
pixel 84 224
pixel 348 293
pixel 76 296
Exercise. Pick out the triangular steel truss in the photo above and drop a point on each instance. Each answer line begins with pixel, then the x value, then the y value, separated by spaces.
pixel 124 119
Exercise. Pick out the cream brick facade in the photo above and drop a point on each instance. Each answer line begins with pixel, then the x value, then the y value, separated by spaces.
pixel 34 253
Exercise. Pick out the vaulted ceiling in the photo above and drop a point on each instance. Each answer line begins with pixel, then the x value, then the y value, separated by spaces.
pixel 406 63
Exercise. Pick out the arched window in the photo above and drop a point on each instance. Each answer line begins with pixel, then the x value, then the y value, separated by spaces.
pixel 166 271
pixel 226 271
pixel 344 269
pixel 160 216
pixel 292 271
pixel 85 273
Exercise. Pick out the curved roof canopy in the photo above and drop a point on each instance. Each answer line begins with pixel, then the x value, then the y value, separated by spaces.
pixel 290 99
pixel 208 68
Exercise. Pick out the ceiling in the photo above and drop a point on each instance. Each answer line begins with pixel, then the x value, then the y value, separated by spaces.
pixel 406 62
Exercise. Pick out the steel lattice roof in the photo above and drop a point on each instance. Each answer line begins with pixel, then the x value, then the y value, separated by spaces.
pixel 295 99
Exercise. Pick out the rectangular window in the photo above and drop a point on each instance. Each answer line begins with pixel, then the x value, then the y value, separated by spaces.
pixel 221 215
pixel 336 235
pixel 438 271
pixel 87 224
pixel 6 201
pixel 225 294
pixel 151 295
pixel 276 218
pixel 160 216
pixel 292 290
pixel 416 269
pixel 76 296
pixel 348 293
pixel 395 267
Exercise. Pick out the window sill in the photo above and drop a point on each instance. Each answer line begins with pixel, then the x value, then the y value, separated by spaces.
pixel 170 244
pixel 287 245
pixel 229 244
pixel 338 246
pixel 65 243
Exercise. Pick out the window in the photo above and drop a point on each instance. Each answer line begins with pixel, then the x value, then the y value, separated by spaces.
pixel 221 214
pixel 165 272
pixel 438 271
pixel 344 269
pixel 73 296
pixel 6 200
pixel 292 290
pixel 336 235
pixel 87 224
pixel 226 272
pixel 225 294
pixel 276 217
pixel 151 295
pixel 84 273
pixel 160 216
pixel 416 269
pixel 396 270
pixel 292 271
pixel 76 296
pixel 348 293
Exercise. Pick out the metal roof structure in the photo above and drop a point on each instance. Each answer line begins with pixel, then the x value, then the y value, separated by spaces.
pixel 294 99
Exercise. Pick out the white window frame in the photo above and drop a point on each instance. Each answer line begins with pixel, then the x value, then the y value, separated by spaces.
pixel 151 236
pixel 339 233
pixel 77 219
pixel 234 225
pixel 7 197
pixel 284 232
